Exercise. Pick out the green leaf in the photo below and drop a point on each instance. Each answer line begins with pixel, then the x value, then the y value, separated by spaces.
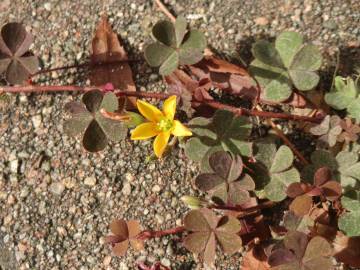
pixel 180 30
pixel 79 121
pixel 351 200
pixel 114 130
pixel 155 54
pixel 237 147
pixel 344 96
pixel 200 126
pixel 191 51
pixel 266 53
pixel 276 189
pixel 170 64
pixel 265 150
pixel 322 158
pixel 346 159
pixel 77 124
pixel 353 171
pixel 275 65
pixel 288 44
pixel 304 80
pixel 195 149
pixel 354 109
pixel 239 128
pixel 136 119
pixel 109 102
pixel 308 58
pixel 338 100
pixel 302 68
pixel 164 32
pixel 283 159
pixel 349 223
pixel 222 120
pixel 274 81
pixel 213 134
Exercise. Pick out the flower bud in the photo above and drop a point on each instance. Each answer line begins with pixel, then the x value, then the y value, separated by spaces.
pixel 191 201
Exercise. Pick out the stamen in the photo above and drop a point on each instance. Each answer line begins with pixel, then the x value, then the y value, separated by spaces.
pixel 164 124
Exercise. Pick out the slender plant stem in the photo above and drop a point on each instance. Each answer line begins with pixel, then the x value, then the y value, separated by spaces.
pixel 83 65
pixel 156 234
pixel 163 9
pixel 45 88
pixel 243 111
pixel 44 71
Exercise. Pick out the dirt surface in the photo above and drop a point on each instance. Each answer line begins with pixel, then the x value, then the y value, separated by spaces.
pixel 56 201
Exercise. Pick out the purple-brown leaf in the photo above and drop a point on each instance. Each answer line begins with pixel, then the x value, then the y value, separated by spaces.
pixel 15 60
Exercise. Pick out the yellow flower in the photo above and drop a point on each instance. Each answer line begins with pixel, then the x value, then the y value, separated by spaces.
pixel 161 124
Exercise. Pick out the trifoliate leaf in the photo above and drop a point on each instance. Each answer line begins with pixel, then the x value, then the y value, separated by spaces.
pixel 274 170
pixel 345 95
pixel 98 129
pixel 174 46
pixel 223 131
pixel 207 230
pixel 287 44
pixel 191 51
pixel 349 222
pixel 275 82
pixel 15 60
pixel 226 184
pixel 123 234
pixel 289 62
pixel 300 253
pixel 283 159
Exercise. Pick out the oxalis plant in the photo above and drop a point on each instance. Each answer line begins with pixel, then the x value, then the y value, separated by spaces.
pixel 257 193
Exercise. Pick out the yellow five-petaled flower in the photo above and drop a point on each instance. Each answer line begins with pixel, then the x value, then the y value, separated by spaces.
pixel 161 124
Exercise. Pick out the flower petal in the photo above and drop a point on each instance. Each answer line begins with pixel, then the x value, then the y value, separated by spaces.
pixel 150 112
pixel 169 107
pixel 160 143
pixel 180 130
pixel 144 131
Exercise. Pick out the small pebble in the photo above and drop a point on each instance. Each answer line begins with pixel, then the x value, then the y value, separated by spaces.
pixel 90 181
pixel 57 188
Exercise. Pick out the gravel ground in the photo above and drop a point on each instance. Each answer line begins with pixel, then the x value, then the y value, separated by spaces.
pixel 56 201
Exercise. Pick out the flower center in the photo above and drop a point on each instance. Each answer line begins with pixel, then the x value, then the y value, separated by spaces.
pixel 164 124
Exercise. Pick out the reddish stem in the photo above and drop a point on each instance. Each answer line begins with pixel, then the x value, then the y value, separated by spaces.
pixel 45 88
pixel 156 234
pixel 162 7
pixel 243 111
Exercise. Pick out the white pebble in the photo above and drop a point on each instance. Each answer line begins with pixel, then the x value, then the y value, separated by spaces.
pixel 14 164
pixel 47 6
pixel 57 188
pixel 126 190
pixel 90 181
pixel 36 120
pixel 156 188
